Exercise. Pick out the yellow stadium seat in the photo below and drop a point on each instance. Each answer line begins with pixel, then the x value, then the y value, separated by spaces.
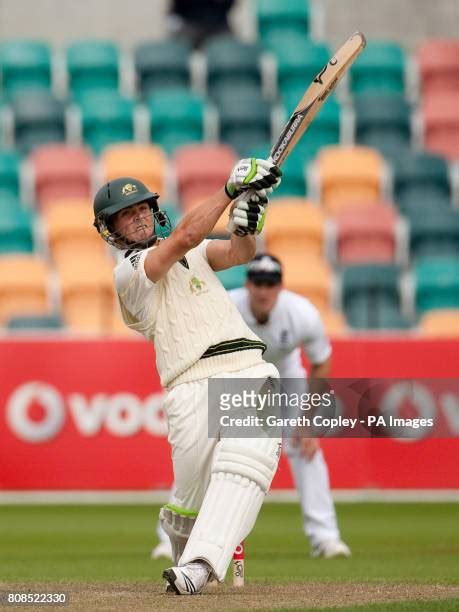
pixel 349 175
pixel 147 163
pixel 70 229
pixel 308 276
pixel 23 286
pixel 441 323
pixel 87 292
pixel 296 223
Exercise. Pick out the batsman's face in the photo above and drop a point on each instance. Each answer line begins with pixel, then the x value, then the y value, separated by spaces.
pixel 134 223
pixel 262 297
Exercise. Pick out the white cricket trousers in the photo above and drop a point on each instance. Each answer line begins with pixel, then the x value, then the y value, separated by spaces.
pixel 186 409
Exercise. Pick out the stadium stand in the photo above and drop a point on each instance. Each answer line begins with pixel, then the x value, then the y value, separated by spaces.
pixel 16 226
pixel 286 17
pixel 310 276
pixel 92 64
pixel 24 286
pixel 25 65
pixel 233 278
pixel 10 162
pixel 44 323
pixel 146 162
pixel 434 233
pixel 438 61
pixel 161 64
pixel 61 172
pixel 441 123
pixel 381 69
pixel 441 323
pixel 382 120
pixel 436 283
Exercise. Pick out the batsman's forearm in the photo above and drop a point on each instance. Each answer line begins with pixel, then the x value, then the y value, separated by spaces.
pixel 199 222
pixel 243 248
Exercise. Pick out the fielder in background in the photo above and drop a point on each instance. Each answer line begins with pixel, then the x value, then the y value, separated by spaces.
pixel 169 292
pixel 287 322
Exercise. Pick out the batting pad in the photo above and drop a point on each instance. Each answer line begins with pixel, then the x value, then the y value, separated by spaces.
pixel 240 477
pixel 178 526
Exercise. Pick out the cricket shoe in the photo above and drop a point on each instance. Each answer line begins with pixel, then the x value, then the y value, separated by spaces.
pixel 162 551
pixel 189 579
pixel 329 549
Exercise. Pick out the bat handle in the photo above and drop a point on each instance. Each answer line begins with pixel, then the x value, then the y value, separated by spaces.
pixel 244 197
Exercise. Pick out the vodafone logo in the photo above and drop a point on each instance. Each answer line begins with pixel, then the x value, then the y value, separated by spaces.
pixel 121 414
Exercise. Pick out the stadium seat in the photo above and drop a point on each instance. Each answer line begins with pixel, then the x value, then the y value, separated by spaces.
pixel 70 230
pixel 202 170
pixel 382 120
pixel 87 293
pixel 144 162
pixel 92 64
pixel 334 323
pixel 441 124
pixel 23 286
pixel 349 174
pixel 10 161
pixel 421 180
pixel 34 323
pixel 324 131
pixel 434 232
pixel 299 60
pixel 438 61
pixel 437 283
pixel 294 223
pixel 309 276
pixel 380 69
pixel 273 16
pixel 293 171
pixel 61 171
pixel 106 118
pixel 25 64
pixel 231 63
pixel 162 64
pixel 245 122
pixel 233 278
pixel 176 118
pixel 39 118
pixel 366 235
pixel 441 323
pixel 16 227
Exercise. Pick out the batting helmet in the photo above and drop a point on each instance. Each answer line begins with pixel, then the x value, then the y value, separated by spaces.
pixel 122 193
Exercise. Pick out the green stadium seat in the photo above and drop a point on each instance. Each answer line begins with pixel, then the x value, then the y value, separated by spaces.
pixel 299 60
pixel 245 122
pixel 25 64
pixel 382 120
pixel 172 212
pixel 176 118
pixel 381 68
pixel 421 180
pixel 162 64
pixel 293 172
pixel 369 293
pixel 10 161
pixel 232 63
pixel 43 323
pixel 16 227
pixel 39 118
pixel 233 278
pixel 437 283
pixel 92 64
pixel 273 16
pixel 434 233
pixel 106 118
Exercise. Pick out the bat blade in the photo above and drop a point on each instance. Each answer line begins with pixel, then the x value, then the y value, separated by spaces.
pixel 316 94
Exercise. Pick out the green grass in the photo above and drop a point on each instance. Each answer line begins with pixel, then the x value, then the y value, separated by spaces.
pixel 412 542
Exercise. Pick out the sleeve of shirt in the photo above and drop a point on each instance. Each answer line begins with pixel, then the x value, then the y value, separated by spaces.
pixel 132 284
pixel 316 343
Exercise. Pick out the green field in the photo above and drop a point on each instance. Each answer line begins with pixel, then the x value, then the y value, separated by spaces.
pixel 393 545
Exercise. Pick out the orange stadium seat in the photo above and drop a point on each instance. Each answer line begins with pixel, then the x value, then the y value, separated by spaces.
pixel 334 323
pixel 70 229
pixel 441 124
pixel 148 163
pixel 441 323
pixel 366 235
pixel 61 171
pixel 438 61
pixel 87 292
pixel 202 170
pixel 23 286
pixel 349 174
pixel 295 223
pixel 308 276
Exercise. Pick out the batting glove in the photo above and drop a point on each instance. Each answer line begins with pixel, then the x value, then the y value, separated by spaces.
pixel 248 215
pixel 258 174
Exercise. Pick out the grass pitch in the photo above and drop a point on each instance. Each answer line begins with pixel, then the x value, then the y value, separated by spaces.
pixel 404 555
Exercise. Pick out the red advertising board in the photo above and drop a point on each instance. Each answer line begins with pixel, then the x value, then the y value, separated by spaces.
pixel 86 415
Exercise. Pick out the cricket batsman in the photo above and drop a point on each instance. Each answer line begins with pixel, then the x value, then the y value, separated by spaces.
pixel 169 292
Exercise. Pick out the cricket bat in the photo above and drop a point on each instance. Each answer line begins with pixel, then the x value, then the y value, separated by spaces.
pixel 238 566
pixel 311 102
